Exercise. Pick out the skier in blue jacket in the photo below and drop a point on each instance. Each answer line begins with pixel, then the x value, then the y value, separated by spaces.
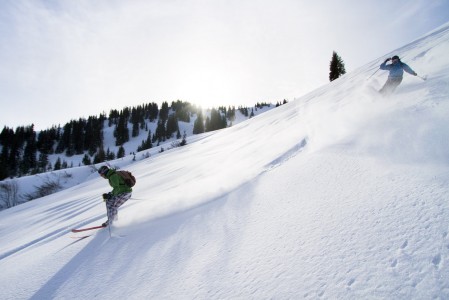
pixel 396 68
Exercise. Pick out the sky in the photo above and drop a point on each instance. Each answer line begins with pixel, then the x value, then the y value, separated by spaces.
pixel 62 60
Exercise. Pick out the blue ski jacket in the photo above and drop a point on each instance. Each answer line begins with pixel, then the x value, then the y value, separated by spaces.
pixel 397 69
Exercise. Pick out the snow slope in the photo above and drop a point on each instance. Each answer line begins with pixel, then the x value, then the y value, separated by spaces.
pixel 28 186
pixel 340 194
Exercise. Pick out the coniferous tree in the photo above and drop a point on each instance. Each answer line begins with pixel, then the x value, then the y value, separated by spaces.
pixel 100 156
pixel 6 141
pixel 121 152
pixel 64 165
pixel 43 163
pixel 172 126
pixel 110 155
pixel 4 171
pixel 14 159
pixel 121 132
pixel 231 114
pixel 198 125
pixel 146 144
pixel 182 110
pixel 244 111
pixel 207 125
pixel 86 160
pixel 216 121
pixel 64 141
pixel 136 129
pixel 77 136
pixel 160 133
pixel 93 136
pixel 136 120
pixel 337 67
pixel 45 140
pixel 57 164
pixel 29 160
pixel 153 111
pixel 163 114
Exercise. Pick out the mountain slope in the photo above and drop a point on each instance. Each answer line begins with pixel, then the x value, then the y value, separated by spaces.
pixel 339 194
pixel 36 186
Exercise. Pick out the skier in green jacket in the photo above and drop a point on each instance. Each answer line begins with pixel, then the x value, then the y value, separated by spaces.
pixel 120 193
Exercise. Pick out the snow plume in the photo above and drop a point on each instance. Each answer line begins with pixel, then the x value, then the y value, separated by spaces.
pixel 340 194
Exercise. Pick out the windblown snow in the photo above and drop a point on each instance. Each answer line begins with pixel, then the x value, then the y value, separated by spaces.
pixel 340 194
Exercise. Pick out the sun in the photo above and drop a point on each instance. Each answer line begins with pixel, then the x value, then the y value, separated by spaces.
pixel 208 84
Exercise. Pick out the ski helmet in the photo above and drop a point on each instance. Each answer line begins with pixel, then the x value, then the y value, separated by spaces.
pixel 103 170
pixel 395 57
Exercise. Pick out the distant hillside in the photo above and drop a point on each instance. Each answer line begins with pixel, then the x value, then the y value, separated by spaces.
pixel 136 132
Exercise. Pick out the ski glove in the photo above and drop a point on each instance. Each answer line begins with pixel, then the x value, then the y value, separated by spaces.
pixel 107 196
pixel 388 59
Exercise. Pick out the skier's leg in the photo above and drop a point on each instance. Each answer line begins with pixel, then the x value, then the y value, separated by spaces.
pixel 110 210
pixel 116 202
pixel 390 85
pixel 395 82
pixel 386 88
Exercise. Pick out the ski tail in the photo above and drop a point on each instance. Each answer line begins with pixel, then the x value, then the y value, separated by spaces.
pixel 87 228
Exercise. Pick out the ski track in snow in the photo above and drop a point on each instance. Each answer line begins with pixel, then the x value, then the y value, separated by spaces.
pixel 286 156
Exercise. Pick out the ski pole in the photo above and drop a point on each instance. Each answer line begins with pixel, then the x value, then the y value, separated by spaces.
pixel 423 78
pixel 372 74
pixel 109 225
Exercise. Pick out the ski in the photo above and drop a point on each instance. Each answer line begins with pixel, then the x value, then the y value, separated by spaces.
pixel 80 237
pixel 87 228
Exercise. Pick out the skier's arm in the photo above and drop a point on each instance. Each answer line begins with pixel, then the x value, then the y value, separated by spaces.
pixel 115 182
pixel 384 66
pixel 408 69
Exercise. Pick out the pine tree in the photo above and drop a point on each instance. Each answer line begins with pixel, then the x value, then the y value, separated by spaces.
pixel 64 141
pixel 29 160
pixel 163 113
pixel 43 163
pixel 121 152
pixel 4 172
pixel 57 164
pixel 216 121
pixel 77 137
pixel 172 126
pixel 337 67
pixel 121 132
pixel 146 144
pixel 100 156
pixel 135 131
pixel 86 160
pixel 161 132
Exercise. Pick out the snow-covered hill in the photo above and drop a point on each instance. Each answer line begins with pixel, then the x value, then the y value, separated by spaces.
pixel 34 186
pixel 132 145
pixel 340 194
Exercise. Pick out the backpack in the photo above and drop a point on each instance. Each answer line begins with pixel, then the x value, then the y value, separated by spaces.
pixel 129 179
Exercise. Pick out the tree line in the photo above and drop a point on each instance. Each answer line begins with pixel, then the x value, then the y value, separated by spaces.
pixel 25 151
